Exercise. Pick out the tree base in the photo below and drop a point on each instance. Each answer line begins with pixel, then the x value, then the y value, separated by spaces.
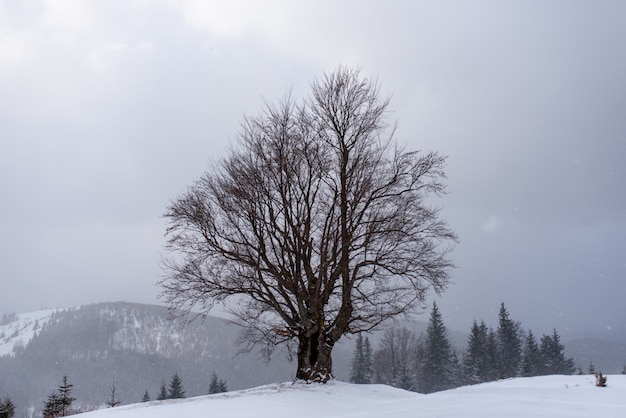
pixel 309 376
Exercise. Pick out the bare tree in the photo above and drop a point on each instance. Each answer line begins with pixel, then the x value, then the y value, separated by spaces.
pixel 317 224
pixel 395 359
pixel 113 401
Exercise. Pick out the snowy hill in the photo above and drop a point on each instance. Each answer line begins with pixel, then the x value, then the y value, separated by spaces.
pixel 16 330
pixel 547 396
pixel 136 347
pixel 132 345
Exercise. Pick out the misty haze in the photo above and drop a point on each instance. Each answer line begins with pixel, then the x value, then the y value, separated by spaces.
pixel 500 124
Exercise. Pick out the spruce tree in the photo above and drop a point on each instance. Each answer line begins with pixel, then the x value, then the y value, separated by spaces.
pixel 368 358
pixel 553 356
pixel 437 370
pixel 65 396
pixel 7 409
pixel 361 371
pixel 162 392
pixel 457 371
pixel 217 385
pixel 509 345
pixel 52 407
pixel 214 385
pixel 356 372
pixel 222 386
pixel 531 357
pixel 176 388
pixel 146 397
pixel 473 359
pixel 591 369
pixel 59 402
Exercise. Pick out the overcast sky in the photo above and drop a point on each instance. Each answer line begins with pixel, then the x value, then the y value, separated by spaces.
pixel 109 109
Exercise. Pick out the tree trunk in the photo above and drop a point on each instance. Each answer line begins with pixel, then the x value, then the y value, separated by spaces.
pixel 315 362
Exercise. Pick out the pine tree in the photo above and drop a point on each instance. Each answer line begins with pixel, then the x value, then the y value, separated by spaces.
pixel 65 396
pixel 437 370
pixel 214 385
pixel 473 367
pixel 222 387
pixel 58 403
pixel 52 407
pixel 146 397
pixel 217 385
pixel 531 357
pixel 7 409
pixel 491 362
pixel 162 392
pixel 509 345
pixel 457 372
pixel 176 388
pixel 591 369
pixel 361 371
pixel 553 356
pixel 357 372
pixel 368 358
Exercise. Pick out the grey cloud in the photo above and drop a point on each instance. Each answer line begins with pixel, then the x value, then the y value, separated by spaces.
pixel 113 109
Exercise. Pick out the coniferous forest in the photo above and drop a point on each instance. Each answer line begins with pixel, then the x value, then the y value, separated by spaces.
pixel 428 363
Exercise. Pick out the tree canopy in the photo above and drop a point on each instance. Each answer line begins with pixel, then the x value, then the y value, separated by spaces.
pixel 317 222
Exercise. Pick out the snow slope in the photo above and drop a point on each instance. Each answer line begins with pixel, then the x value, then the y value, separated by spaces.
pixel 20 329
pixel 547 396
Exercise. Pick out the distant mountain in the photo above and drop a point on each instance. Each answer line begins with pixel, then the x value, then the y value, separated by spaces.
pixel 608 357
pixel 133 346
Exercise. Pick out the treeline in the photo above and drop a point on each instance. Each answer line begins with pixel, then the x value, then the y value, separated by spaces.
pixel 176 391
pixel 60 402
pixel 429 363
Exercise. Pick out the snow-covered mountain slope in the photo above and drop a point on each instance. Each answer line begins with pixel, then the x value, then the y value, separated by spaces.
pixel 16 330
pixel 546 396
pixel 132 345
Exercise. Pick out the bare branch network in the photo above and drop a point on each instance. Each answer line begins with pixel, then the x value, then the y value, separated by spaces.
pixel 316 221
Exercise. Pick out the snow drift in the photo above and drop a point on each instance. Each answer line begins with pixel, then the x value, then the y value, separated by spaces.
pixel 546 396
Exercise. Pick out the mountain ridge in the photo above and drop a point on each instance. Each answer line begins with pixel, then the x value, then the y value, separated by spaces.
pixel 134 346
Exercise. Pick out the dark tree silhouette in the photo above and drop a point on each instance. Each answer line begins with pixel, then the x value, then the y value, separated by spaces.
pixel 59 401
pixel 176 388
pixel 509 345
pixel 7 409
pixel 217 385
pixel 438 367
pixel 52 406
pixel 65 395
pixel 531 357
pixel 361 371
pixel 480 359
pixel 553 356
pixel 317 223
pixel 162 395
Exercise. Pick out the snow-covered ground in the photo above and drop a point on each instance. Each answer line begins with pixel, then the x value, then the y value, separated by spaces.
pixel 547 396
pixel 21 328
